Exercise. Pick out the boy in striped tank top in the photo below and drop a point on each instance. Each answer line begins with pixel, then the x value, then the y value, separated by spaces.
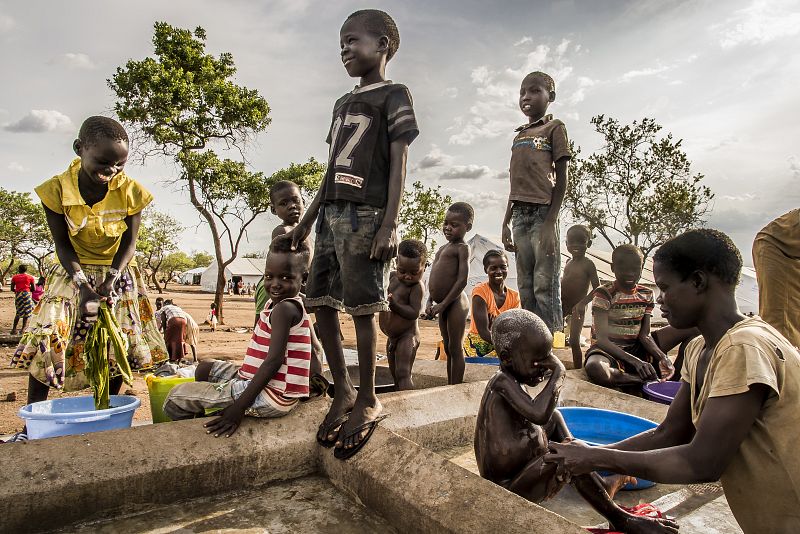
pixel 276 368
pixel 624 353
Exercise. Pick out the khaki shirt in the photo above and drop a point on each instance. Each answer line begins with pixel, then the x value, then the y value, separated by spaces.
pixel 535 149
pixel 95 232
pixel 762 482
pixel 784 233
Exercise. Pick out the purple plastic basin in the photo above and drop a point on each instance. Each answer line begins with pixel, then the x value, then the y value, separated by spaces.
pixel 663 392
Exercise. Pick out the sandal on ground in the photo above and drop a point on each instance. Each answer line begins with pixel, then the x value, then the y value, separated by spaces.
pixel 17 438
pixel 341 453
pixel 318 386
pixel 325 429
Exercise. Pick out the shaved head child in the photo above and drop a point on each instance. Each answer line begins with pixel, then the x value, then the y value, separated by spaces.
pixel 446 284
pixel 356 213
pixel 405 297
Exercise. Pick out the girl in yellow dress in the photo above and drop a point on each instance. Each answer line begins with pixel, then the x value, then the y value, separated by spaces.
pixel 93 210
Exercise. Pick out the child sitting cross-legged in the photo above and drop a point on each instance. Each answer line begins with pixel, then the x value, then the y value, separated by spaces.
pixel 624 353
pixel 274 375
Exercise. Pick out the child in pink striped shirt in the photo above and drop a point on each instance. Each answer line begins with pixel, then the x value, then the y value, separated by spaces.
pixel 277 365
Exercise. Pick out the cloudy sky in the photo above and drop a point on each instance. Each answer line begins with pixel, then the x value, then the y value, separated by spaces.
pixel 722 76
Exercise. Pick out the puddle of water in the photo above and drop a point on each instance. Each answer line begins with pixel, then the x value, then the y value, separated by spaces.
pixel 701 505
pixel 310 505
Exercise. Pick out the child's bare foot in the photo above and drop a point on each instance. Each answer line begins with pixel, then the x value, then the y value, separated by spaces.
pixel 614 483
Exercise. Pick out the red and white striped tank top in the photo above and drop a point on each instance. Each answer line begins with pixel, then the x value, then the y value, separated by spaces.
pixel 291 380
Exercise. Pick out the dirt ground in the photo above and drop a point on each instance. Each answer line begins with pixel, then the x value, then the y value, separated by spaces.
pixel 228 342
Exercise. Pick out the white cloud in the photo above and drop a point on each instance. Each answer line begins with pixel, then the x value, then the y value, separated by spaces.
pixel 434 158
pixel 647 71
pixel 450 92
pixel 41 120
pixel 16 167
pixel 741 198
pixel 794 166
pixel 479 200
pixel 759 23
pixel 524 40
pixel 468 172
pixel 6 23
pixel 495 111
pixel 75 61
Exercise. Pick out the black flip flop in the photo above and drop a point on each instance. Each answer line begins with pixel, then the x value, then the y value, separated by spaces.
pixel 337 423
pixel 340 453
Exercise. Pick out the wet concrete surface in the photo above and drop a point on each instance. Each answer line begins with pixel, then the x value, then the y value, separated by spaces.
pixel 311 505
pixel 699 508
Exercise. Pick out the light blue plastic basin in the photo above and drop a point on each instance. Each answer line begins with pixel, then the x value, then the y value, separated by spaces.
pixel 601 427
pixel 76 415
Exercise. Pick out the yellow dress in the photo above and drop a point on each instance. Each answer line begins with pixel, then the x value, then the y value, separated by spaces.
pixel 55 333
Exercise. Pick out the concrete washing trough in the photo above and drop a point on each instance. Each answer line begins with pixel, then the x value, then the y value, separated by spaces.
pixel 417 474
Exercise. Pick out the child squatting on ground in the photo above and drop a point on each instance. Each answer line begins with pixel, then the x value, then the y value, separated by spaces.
pixel 93 210
pixel 446 284
pixel 400 323
pixel 736 414
pixel 356 211
pixel 624 353
pixel 580 274
pixel 275 373
pixel 513 430
pixel 538 170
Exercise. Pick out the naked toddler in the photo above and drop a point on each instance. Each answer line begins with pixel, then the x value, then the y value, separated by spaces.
pixel 399 324
pixel 446 284
pixel 513 429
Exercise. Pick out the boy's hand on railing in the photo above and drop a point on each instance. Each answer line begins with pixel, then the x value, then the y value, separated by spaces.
pixel 227 423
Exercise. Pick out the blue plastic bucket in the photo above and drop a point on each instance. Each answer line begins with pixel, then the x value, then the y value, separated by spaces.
pixel 601 427
pixel 76 415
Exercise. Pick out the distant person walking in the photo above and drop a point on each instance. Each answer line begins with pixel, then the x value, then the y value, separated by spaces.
pixel 22 284
pixel 776 257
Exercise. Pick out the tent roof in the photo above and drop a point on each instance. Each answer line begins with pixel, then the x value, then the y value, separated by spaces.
pixel 196 270
pixel 246 267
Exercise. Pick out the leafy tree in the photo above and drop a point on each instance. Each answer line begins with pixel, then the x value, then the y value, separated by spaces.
pixel 173 264
pixel 422 213
pixel 201 258
pixel 24 233
pixel 158 237
pixel 183 103
pixel 639 188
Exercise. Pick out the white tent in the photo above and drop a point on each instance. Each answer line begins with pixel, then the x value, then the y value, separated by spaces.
pixel 189 277
pixel 249 270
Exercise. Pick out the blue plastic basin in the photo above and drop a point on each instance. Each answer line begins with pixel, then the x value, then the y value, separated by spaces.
pixel 601 427
pixel 485 360
pixel 76 415
pixel 663 392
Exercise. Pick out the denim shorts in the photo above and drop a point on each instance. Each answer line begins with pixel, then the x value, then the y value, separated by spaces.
pixel 343 276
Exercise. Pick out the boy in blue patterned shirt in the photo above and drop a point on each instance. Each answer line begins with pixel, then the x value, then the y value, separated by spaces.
pixel 539 157
pixel 356 211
